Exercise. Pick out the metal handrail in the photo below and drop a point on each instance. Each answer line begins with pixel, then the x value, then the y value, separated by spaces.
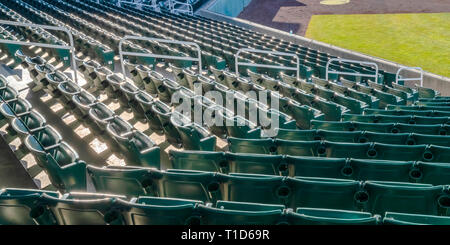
pixel 70 47
pixel 151 55
pixel 351 73
pixel 237 63
pixel 397 75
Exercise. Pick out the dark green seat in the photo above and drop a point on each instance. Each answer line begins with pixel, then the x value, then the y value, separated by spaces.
pixel 164 113
pixel 119 131
pixel 99 75
pixel 258 146
pixel 160 211
pixel 86 209
pixel 128 93
pixel 114 82
pixel 256 164
pixel 54 79
pixel 199 160
pixel 406 198
pixel 167 89
pixel 256 188
pixel 25 207
pixel 189 184
pixel 180 78
pixel 318 216
pixel 436 173
pixel 317 167
pixel 238 126
pixel 8 93
pixel 426 92
pixel 241 213
pixel 145 102
pixel 41 141
pixel 100 114
pixel 302 114
pixel 41 72
pixel 325 193
pixel 68 89
pixel 156 80
pixel 391 218
pixel 83 103
pixel 142 150
pixel 193 136
pixel 15 108
pixel 129 181
pixel 28 123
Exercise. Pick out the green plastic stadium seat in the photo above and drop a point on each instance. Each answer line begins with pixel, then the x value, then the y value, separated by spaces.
pixel 256 188
pixel 180 78
pixel 25 207
pixel 258 146
pixel 100 77
pixel 189 184
pixel 164 113
pixel 257 164
pixel 142 150
pixel 391 218
pixel 83 103
pixel 405 197
pixel 120 130
pixel 145 102
pixel 160 211
pixel 28 123
pixel 156 80
pixel 64 168
pixel 128 93
pixel 8 94
pixel 426 92
pixel 100 114
pixel 68 89
pixel 193 136
pixel 86 209
pixel 241 213
pixel 318 216
pixel 113 88
pixel 325 193
pixel 54 79
pixel 15 108
pixel 129 181
pixel 199 160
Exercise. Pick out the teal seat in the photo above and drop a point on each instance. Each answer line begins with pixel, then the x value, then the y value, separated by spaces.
pixel 54 79
pixel 145 102
pixel 99 76
pixel 64 168
pixel 164 113
pixel 129 181
pixel 28 123
pixel 83 102
pixel 302 114
pixel 435 173
pixel 100 114
pixel 391 218
pixel 238 126
pixel 113 82
pixel 42 141
pixel 193 136
pixel 142 150
pixel 257 164
pixel 317 167
pixel 160 211
pixel 166 90
pixel 86 209
pixel 317 216
pixel 119 131
pixel 405 197
pixel 189 184
pixel 299 148
pixel 241 213
pixel 326 193
pixel 256 188
pixel 199 160
pixel 40 72
pixel 156 80
pixel 426 92
pixel 180 78
pixel 68 89
pixel 8 93
pixel 25 207
pixel 15 108
pixel 258 146
pixel 128 93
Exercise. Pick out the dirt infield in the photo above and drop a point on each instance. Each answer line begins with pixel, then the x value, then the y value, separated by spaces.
pixel 294 15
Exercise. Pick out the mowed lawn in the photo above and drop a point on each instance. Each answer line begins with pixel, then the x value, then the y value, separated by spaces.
pixel 409 39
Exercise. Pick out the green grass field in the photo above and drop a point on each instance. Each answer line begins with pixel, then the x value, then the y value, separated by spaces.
pixel 409 39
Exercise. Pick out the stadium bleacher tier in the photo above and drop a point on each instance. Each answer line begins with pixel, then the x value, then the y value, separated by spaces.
pixel 347 151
